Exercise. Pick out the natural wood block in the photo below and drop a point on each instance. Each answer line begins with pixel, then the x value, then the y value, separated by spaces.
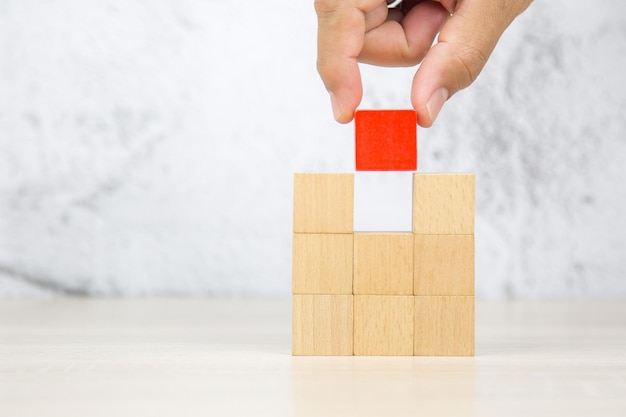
pixel 386 140
pixel 383 325
pixel 443 204
pixel 322 263
pixel 444 265
pixel 322 325
pixel 383 263
pixel 323 203
pixel 444 325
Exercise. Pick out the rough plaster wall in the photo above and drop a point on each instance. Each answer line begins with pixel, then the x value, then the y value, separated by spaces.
pixel 148 147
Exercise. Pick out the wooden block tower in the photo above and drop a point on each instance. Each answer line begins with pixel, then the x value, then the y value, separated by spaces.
pixel 383 293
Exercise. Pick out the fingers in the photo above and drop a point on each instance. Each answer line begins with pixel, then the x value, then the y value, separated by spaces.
pixel 404 43
pixel 464 45
pixel 362 30
pixel 353 30
pixel 377 16
pixel 340 38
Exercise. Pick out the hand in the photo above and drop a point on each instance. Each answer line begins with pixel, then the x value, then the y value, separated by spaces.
pixel 352 31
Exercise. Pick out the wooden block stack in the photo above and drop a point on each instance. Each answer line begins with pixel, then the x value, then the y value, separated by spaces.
pixel 443 226
pixel 323 243
pixel 383 293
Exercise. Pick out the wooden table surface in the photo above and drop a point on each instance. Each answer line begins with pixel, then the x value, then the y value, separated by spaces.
pixel 231 357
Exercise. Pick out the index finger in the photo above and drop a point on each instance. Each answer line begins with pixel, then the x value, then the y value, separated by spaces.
pixel 340 39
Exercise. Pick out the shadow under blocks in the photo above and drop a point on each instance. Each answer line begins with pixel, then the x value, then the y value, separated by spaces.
pixel 383 293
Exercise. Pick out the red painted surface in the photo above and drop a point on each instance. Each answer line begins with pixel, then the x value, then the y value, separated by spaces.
pixel 386 140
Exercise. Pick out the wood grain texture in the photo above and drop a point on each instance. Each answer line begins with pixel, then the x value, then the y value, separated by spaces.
pixel 443 204
pixel 444 326
pixel 383 325
pixel 323 203
pixel 322 263
pixel 444 265
pixel 383 263
pixel 322 325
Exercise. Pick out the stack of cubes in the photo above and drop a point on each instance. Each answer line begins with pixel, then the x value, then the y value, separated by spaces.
pixel 384 293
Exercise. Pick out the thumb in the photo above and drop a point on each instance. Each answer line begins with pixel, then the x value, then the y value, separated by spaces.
pixel 465 43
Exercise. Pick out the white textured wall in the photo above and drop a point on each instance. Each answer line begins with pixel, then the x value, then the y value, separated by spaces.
pixel 148 147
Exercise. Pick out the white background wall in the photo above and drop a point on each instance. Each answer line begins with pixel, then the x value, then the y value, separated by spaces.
pixel 148 147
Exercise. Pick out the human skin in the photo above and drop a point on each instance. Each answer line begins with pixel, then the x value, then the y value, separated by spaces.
pixel 353 31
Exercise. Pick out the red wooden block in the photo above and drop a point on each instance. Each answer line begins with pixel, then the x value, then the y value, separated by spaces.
pixel 386 140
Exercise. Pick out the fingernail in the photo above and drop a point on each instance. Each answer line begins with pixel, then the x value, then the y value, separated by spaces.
pixel 335 106
pixel 435 103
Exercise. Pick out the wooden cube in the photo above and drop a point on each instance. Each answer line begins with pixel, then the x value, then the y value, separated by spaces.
pixel 443 204
pixel 322 263
pixel 383 263
pixel 383 325
pixel 386 140
pixel 444 265
pixel 323 203
pixel 322 325
pixel 444 325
